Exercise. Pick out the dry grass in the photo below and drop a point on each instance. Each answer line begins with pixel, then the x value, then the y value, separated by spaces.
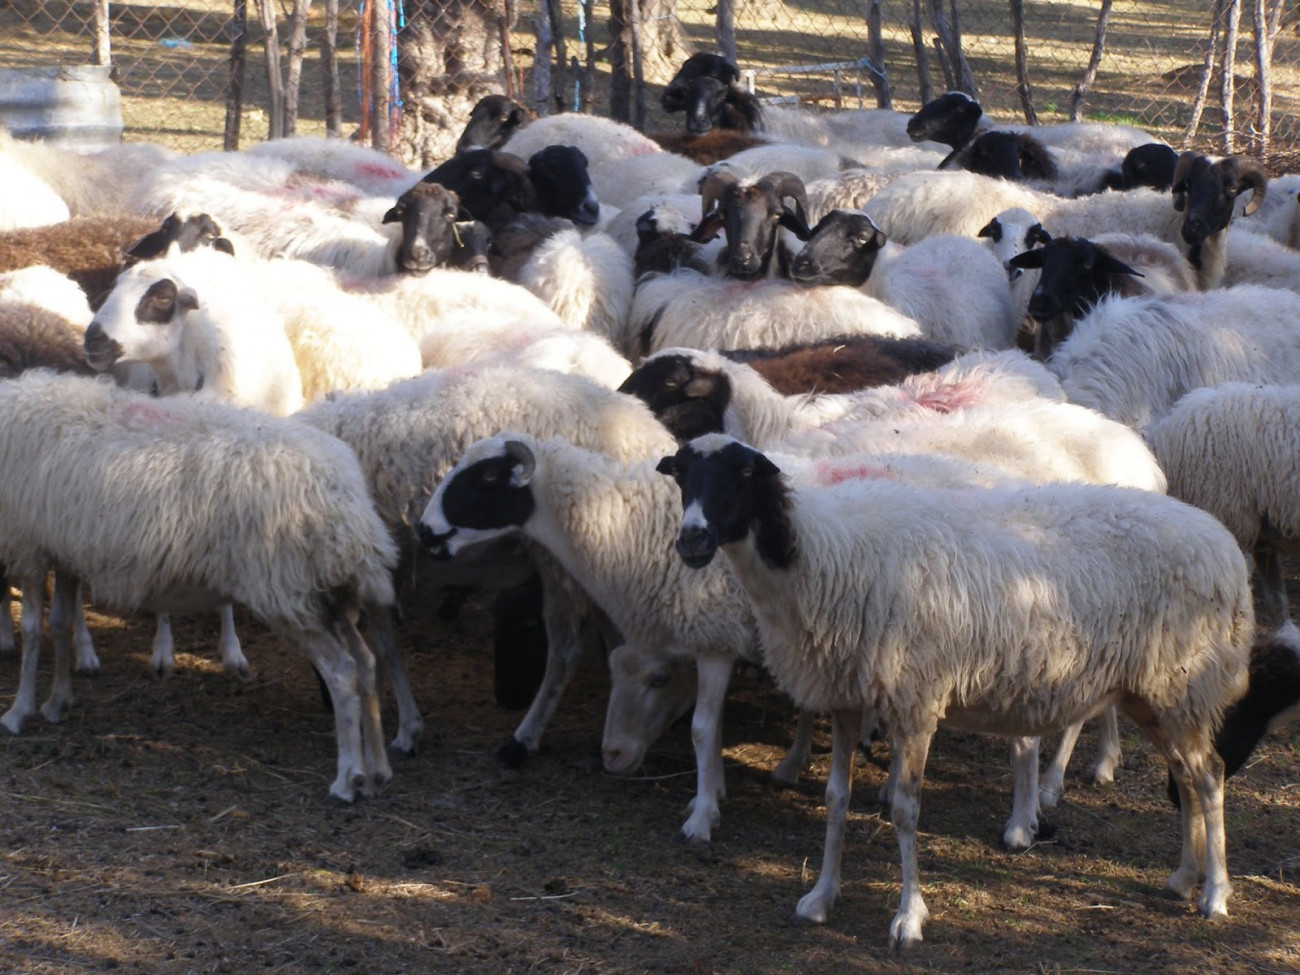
pixel 183 826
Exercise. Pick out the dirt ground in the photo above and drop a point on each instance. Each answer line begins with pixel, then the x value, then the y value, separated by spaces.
pixel 184 826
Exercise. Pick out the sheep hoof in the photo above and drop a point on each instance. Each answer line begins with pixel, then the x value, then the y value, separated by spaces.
pixel 1049 796
pixel 87 664
pixel 12 723
pixel 1019 837
pixel 1213 905
pixel 55 711
pixel 1182 883
pixel 403 746
pixel 512 754
pixel 1101 775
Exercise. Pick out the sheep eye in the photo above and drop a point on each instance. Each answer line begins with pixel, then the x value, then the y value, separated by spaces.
pixel 658 681
pixel 449 214
pixel 489 477
pixel 672 383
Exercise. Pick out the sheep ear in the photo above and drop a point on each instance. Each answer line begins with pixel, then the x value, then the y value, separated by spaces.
pixel 149 246
pixel 699 386
pixel 187 299
pixel 224 245
pixel 1113 265
pixel 708 228
pixel 394 215
pixel 992 230
pixel 1036 235
pixel 523 463
pixel 796 221
pixel 764 467
pixel 1029 259
pixel 667 465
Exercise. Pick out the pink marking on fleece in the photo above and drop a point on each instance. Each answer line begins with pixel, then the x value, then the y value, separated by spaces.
pixel 146 416
pixel 646 148
pixel 948 397
pixel 376 170
pixel 831 472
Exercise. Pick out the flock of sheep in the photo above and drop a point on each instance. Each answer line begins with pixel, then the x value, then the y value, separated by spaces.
pixel 930 384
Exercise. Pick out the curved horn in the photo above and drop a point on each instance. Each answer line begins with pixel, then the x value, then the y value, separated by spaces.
pixel 1181 169
pixel 1250 173
pixel 509 161
pixel 787 184
pixel 521 457
pixel 712 188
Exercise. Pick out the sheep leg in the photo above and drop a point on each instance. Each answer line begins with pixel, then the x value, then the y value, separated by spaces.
pixel 1272 585
pixel 163 660
pixel 6 618
pixel 1108 753
pixel 815 906
pixel 373 752
pixel 1023 824
pixel 905 928
pixel 1052 784
pixel 87 661
pixel 1183 881
pixel 1207 783
pixel 338 670
pixel 61 697
pixel 233 661
pixel 706 735
pixel 562 610
pixel 799 756
pixel 410 725
pixel 33 611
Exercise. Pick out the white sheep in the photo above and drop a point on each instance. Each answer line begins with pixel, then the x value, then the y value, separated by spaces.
pixel 1256 258
pixel 372 171
pixel 602 140
pixel 1231 451
pixel 1004 610
pixel 409 436
pixel 1133 358
pixel 90 183
pixel 180 504
pixel 585 280
pixel 28 201
pixel 919 205
pixel 686 308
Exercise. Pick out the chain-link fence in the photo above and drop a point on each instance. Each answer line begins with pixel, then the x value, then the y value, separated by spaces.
pixel 173 60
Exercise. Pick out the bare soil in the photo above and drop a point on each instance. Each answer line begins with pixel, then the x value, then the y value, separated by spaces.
pixel 183 826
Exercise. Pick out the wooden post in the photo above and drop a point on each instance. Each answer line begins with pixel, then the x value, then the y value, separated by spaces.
pixel 542 65
pixel 507 58
pixel 329 63
pixel 1262 25
pixel 235 86
pixel 589 55
pixel 381 40
pixel 274 84
pixel 1022 61
pixel 876 52
pixel 556 17
pixel 922 54
pixel 1227 76
pixel 724 29
pixel 1094 62
pixel 297 44
pixel 638 72
pixel 1203 82
pixel 620 61
pixel 99 28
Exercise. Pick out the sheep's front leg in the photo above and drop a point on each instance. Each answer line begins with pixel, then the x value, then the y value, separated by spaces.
pixel 337 669
pixel 1023 824
pixel 163 661
pixel 233 661
pixel 1207 782
pixel 87 660
pixel 905 928
pixel 33 613
pixel 706 735
pixel 563 607
pixel 846 728
pixel 61 615
pixel 799 756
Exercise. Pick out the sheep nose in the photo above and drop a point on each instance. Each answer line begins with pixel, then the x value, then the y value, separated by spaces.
pixel 435 542
pixel 696 545
pixel 101 351
pixel 479 265
pixel 1043 306
pixel 1194 230
pixel 588 213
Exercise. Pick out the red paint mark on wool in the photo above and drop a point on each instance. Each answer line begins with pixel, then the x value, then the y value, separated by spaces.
pixel 950 397
pixel 377 170
pixel 146 416
pixel 643 148
pixel 831 473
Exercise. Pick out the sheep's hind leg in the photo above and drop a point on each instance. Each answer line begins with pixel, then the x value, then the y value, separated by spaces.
pixel 6 618
pixel 338 670
pixel 163 660
pixel 87 660
pixel 798 757
pixel 905 928
pixel 706 735
pixel 62 613
pixel 233 661
pixel 846 728
pixel 373 753
pixel 33 604
pixel 1207 782
pixel 1108 750
pixel 1023 824
pixel 1052 784
pixel 410 725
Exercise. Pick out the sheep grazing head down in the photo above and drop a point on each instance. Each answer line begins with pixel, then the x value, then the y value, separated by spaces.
pixel 141 320
pixel 428 213
pixel 1016 156
pixel 486 495
pixel 1206 192
pixel 842 249
pixel 751 214
pixel 729 490
pixel 686 399
pixel 950 119
pixel 492 121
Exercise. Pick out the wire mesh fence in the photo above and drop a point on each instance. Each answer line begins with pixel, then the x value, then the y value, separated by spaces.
pixel 173 60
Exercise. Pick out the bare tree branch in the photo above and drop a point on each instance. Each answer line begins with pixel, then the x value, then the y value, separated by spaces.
pixel 1094 62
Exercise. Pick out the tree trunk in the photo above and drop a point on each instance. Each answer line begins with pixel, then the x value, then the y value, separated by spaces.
pixel 876 52
pixel 638 66
pixel 542 65
pixel 1262 21
pixel 297 45
pixel 556 17
pixel 922 54
pixel 1203 81
pixel 587 37
pixel 1022 61
pixel 1094 62
pixel 103 50
pixel 620 61
pixel 274 83
pixel 724 31
pixel 329 64
pixel 1227 77
pixel 948 43
pixel 381 40
pixel 235 87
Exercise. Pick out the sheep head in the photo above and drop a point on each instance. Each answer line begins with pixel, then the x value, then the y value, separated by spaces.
pixel 1014 156
pixel 182 233
pixel 1207 192
pixel 492 121
pixel 142 320
pixel 685 395
pixel 562 186
pixel 950 119
pixel 428 213
pixel 492 186
pixel 841 249
pixel 705 89
pixel 750 214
